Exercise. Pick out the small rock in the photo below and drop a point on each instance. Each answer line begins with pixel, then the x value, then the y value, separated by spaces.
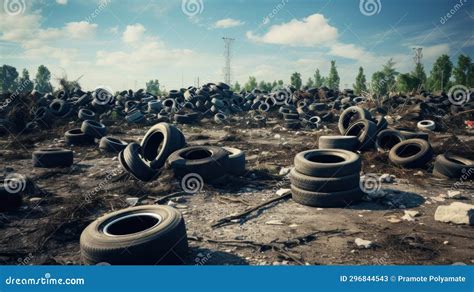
pixel 35 199
pixel 457 213
pixel 454 195
pixel 281 192
pixel 394 220
pixel 362 243
pixel 293 225
pixel 180 206
pixel 277 136
pixel 419 173
pixel 132 201
pixel 274 222
pixel 387 178
pixel 446 242
pixel 284 170
pixel 171 203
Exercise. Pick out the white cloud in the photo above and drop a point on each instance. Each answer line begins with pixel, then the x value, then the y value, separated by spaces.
pixel 227 23
pixel 311 31
pixel 133 33
pixel 81 30
pixel 61 2
pixel 435 51
pixel 349 51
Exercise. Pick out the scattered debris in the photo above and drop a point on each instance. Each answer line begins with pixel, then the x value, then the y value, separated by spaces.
pixel 457 213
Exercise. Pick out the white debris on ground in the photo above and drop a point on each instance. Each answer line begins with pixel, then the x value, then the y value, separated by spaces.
pixel 362 243
pixel 457 213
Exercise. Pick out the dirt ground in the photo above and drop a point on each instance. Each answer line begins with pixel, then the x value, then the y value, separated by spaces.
pixel 60 203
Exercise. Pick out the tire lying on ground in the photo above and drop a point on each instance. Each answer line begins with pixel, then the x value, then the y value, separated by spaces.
pixel 332 199
pixel 426 125
pixel 410 134
pixel 131 160
pixel 77 137
pixel 338 142
pixel 324 184
pixel 54 157
pixel 209 162
pixel 111 144
pixel 411 153
pixel 236 162
pixel 85 114
pixel 365 131
pixel 349 114
pixel 159 142
pixel 143 235
pixel 453 166
pixel 388 138
pixel 94 129
pixel 11 195
pixel 327 162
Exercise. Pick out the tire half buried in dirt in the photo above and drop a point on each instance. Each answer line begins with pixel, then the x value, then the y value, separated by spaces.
pixel 143 235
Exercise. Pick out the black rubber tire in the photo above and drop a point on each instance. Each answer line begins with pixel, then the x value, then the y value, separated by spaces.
pixel 111 144
pixel 409 134
pixel 164 243
pixel 184 119
pixel 59 107
pixel 326 200
pixel 236 162
pixel 418 151
pixel 85 114
pixel 453 166
pixel 159 142
pixel 77 137
pixel 381 123
pixel 324 184
pixel 388 138
pixel 9 201
pixel 365 131
pixel 348 114
pixel 209 162
pixel 132 162
pixel 339 142
pixel 329 163
pixel 54 157
pixel 94 129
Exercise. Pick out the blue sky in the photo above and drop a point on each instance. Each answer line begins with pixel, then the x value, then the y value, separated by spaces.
pixel 122 44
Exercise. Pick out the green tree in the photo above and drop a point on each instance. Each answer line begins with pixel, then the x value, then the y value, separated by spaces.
pixel 274 84
pixel 378 84
pixel 318 80
pixel 390 75
pixel 8 75
pixel 295 80
pixel 153 87
pixel 419 75
pixel 462 70
pixel 470 76
pixel 25 85
pixel 406 82
pixel 333 78
pixel 440 73
pixel 310 83
pixel 251 84
pixel 280 83
pixel 265 86
pixel 42 80
pixel 360 83
pixel 237 87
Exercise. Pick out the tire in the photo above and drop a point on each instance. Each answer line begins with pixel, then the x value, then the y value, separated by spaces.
pixel 159 142
pixel 453 166
pixel 388 138
pixel 122 237
pixel 59 107
pixel 77 137
pixel 409 134
pixel 339 142
pixel 111 144
pixel 220 118
pixel 9 200
pixel 292 124
pixel 85 114
pixel 327 200
pixel 54 157
pixel 94 129
pixel 365 131
pixel 135 117
pixel 349 113
pixel 324 184
pixel 184 118
pixel 415 153
pixel 327 163
pixel 381 123
pixel 426 125
pixel 209 162
pixel 236 162
pixel 133 163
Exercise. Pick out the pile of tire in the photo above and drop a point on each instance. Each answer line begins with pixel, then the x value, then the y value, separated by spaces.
pixel 326 178
pixel 86 134
pixel 142 235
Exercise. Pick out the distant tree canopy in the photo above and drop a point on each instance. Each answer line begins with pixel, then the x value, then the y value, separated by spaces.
pixel 42 80
pixel 360 83
pixel 333 77
pixel 153 87
pixel 441 73
pixel 295 80
pixel 8 76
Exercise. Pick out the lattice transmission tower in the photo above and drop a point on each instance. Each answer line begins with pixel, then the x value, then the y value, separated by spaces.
pixel 227 57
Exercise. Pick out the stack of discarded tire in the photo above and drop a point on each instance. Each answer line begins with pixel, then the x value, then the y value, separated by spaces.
pixel 326 178
pixel 143 235
pixel 86 134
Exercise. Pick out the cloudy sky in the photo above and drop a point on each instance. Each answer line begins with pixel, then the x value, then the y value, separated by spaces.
pixel 124 43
